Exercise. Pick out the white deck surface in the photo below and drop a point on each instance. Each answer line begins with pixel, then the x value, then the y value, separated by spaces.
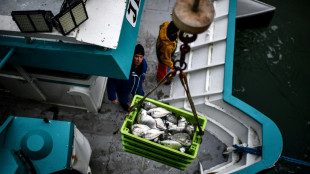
pixel 104 24
pixel 105 18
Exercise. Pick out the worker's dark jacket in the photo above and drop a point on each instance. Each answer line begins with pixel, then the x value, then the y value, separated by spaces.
pixel 124 87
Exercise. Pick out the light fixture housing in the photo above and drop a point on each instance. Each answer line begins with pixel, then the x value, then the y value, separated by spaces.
pixel 33 20
pixel 70 17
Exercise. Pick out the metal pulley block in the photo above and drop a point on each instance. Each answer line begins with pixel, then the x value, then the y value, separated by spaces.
pixel 193 16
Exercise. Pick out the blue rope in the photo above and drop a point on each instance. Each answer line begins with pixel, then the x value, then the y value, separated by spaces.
pixel 258 151
pixel 295 161
pixel 240 149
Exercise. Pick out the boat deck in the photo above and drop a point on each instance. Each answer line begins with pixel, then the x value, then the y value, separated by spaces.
pixel 103 129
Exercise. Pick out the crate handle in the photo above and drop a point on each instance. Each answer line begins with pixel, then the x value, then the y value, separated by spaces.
pixel 193 148
pixel 198 139
pixel 130 115
pixel 126 129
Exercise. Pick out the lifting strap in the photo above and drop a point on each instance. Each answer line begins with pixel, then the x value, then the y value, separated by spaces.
pixel 183 80
pixel 185 48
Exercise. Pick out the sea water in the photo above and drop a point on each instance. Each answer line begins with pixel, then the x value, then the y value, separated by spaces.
pixel 272 74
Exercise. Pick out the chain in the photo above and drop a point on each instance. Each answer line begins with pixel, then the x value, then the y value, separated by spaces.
pixel 184 48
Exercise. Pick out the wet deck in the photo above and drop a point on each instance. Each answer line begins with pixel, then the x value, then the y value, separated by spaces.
pixel 103 129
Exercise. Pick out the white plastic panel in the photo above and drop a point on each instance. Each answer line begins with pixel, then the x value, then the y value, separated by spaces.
pixel 216 78
pixel 248 8
pixel 220 28
pixel 221 7
pixel 200 58
pixel 197 82
pixel 217 52
pixel 82 151
pixel 103 27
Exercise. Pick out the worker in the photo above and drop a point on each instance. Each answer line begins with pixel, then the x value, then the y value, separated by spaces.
pixel 119 90
pixel 165 48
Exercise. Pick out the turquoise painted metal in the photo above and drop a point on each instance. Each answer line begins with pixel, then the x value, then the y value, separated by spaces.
pixel 7 56
pixel 272 138
pixel 47 144
pixel 77 58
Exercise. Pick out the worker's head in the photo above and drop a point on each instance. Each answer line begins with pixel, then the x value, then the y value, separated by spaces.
pixel 138 55
pixel 172 31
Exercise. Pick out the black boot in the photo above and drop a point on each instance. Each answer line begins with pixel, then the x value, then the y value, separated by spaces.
pixel 125 106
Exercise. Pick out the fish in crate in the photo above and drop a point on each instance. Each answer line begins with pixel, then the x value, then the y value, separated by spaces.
pixel 163 133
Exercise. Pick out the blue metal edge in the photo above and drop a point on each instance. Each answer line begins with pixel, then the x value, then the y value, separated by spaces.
pixel 7 56
pixel 128 41
pixel 70 147
pixel 79 58
pixel 5 124
pixel 271 135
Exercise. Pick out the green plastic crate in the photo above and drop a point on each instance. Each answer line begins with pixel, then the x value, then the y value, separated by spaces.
pixel 154 156
pixel 163 153
pixel 155 151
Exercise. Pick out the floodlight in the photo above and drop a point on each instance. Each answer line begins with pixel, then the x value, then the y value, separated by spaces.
pixel 70 17
pixel 33 21
pixel 67 3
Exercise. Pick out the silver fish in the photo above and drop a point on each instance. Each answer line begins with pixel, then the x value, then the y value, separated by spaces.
pixel 171 143
pixel 172 118
pixel 160 124
pixel 139 116
pixel 182 149
pixel 182 122
pixel 173 128
pixel 164 136
pixel 156 140
pixel 143 118
pixel 139 129
pixel 190 129
pixel 158 112
pixel 152 134
pixel 182 138
pixel 170 125
pixel 148 105
pixel 176 129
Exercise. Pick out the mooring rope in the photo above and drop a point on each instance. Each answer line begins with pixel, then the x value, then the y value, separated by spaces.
pixel 296 161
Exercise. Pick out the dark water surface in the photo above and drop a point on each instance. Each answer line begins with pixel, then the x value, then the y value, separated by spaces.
pixel 272 74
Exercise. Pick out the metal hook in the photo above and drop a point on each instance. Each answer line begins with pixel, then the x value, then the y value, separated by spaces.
pixel 186 39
